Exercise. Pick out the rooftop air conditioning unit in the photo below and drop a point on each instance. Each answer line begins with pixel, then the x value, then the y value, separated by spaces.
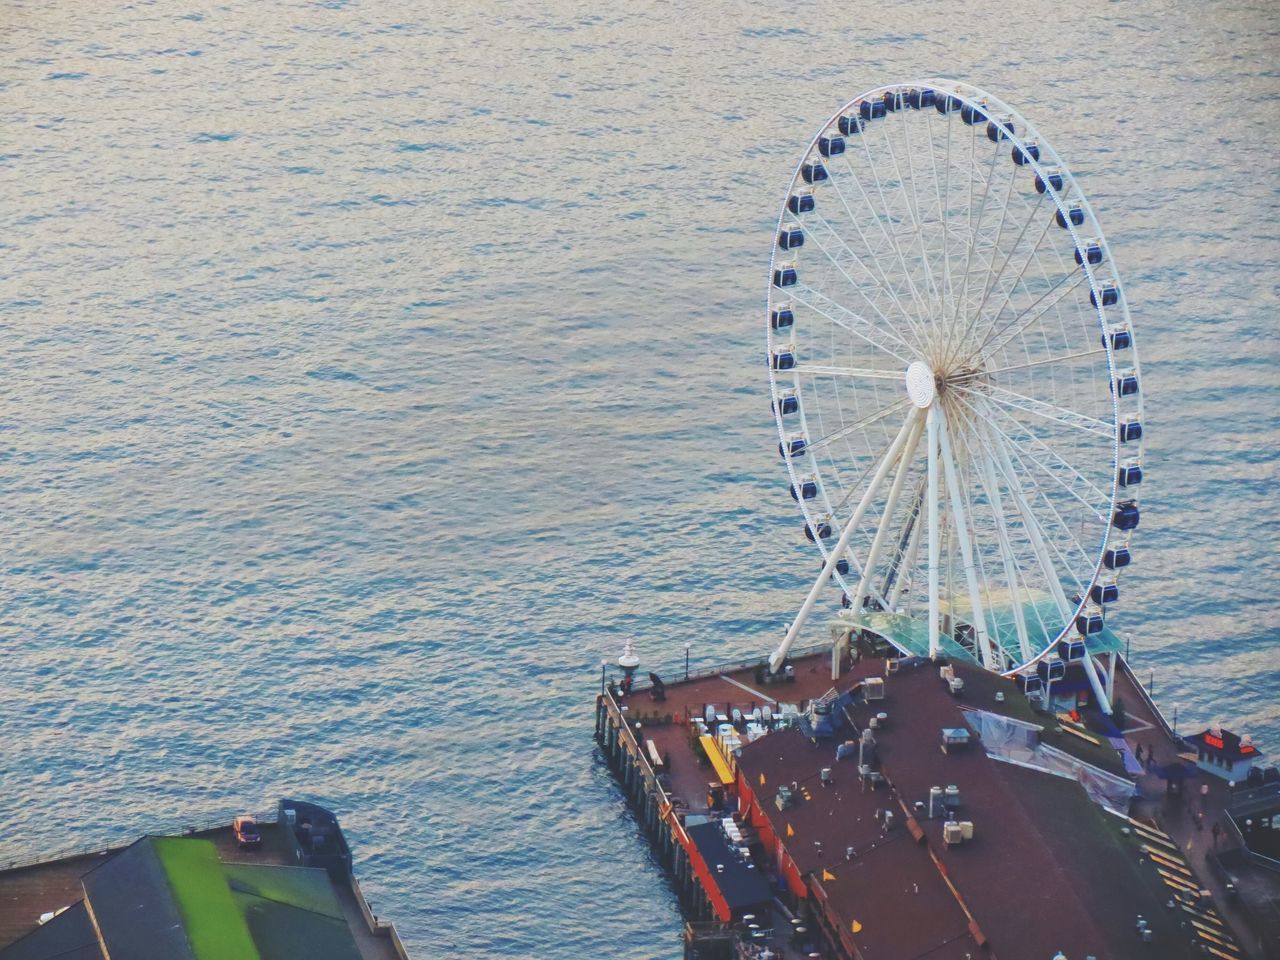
pixel 873 688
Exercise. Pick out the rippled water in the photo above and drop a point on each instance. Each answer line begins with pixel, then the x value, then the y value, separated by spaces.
pixel 371 371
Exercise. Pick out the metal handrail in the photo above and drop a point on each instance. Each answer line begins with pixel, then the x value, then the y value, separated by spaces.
pixel 679 676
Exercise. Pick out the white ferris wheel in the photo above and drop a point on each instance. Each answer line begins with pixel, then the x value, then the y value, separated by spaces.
pixel 955 385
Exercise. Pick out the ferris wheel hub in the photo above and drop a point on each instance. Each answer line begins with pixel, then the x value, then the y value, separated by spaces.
pixel 921 385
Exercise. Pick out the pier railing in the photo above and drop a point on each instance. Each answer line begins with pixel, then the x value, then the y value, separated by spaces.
pixel 1145 696
pixel 678 674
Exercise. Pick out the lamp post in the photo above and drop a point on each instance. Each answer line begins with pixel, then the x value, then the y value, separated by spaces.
pixel 687 645
pixel 604 665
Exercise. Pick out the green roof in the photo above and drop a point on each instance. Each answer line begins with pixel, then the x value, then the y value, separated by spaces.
pixel 249 911
pixel 214 922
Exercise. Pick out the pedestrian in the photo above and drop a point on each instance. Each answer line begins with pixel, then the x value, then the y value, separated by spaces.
pixel 1200 820
pixel 1217 832
pixel 1204 795
pixel 1138 753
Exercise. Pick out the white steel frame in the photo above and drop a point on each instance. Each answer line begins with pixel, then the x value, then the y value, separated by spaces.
pixel 930 247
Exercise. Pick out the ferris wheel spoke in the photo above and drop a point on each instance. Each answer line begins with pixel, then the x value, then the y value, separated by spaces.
pixel 1062 472
pixel 976 317
pixel 845 318
pixel 1032 313
pixel 1052 510
pixel 1031 258
pixel 1031 527
pixel 881 216
pixel 817 370
pixel 1064 465
pixel 860 289
pixel 972 244
pixel 1041 408
pixel 849 428
pixel 1008 559
pixel 1099 352
pixel 884 282
pixel 917 229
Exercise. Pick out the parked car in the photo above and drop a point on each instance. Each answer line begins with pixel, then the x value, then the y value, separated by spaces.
pixel 246 831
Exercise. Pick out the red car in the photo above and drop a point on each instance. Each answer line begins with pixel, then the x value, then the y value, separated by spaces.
pixel 246 831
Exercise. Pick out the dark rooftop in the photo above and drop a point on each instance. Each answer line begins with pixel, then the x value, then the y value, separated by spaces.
pixel 1044 872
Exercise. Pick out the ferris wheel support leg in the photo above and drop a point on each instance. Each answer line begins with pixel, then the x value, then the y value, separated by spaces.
pixel 932 423
pixel 907 563
pixel 985 644
pixel 1095 681
pixel 1111 673
pixel 775 661
pixel 891 503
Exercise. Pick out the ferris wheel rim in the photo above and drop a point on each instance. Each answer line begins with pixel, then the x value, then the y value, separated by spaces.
pixel 1020 133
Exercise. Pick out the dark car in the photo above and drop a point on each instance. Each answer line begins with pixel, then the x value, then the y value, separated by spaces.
pixel 246 831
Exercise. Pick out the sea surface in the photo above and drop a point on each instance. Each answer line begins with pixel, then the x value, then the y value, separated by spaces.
pixel 369 372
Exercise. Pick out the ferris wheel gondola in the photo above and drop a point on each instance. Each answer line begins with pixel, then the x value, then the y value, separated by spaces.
pixel 955 383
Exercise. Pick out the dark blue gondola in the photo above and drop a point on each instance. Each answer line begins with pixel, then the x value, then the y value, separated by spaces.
pixel 1071 651
pixel 821 532
pixel 1031 686
pixel 785 277
pixel 831 146
pixel 1121 340
pixel 1126 384
pixel 895 100
pixel 842 566
pixel 1130 430
pixel 781 318
pixel 1117 558
pixel 919 99
pixel 1110 296
pixel 793 447
pixel 807 490
pixel 1130 475
pixel 845 601
pixel 972 113
pixel 871 109
pixel 800 203
pixel 1088 624
pixel 786 404
pixel 813 172
pixel 1050 181
pixel 1091 252
pixel 790 238
pixel 1024 155
pixel 1051 669
pixel 1126 516
pixel 998 130
pixel 783 360
pixel 1074 214
pixel 946 104
pixel 1104 593
pixel 851 124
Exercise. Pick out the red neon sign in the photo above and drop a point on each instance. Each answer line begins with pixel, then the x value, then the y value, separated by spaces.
pixel 1213 741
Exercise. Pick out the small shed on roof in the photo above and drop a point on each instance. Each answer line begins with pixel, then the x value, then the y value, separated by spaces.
pixel 1224 754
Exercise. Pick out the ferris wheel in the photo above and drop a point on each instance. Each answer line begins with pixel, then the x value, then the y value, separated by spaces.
pixel 955 384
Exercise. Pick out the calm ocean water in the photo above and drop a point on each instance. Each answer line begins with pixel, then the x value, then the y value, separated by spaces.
pixel 371 371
